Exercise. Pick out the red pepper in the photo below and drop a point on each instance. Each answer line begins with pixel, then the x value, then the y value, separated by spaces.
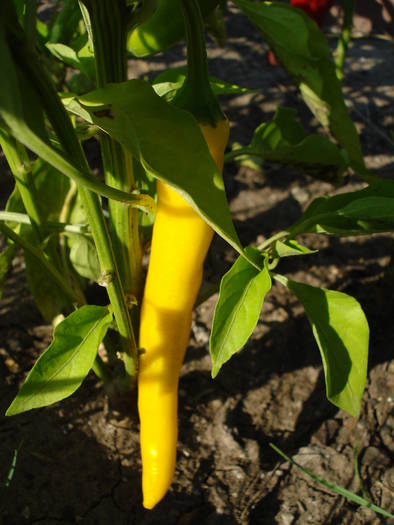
pixel 316 9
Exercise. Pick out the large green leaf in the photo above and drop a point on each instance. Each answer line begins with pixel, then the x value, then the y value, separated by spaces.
pixel 304 51
pixel 60 370
pixel 167 141
pixel 370 210
pixel 241 296
pixel 342 334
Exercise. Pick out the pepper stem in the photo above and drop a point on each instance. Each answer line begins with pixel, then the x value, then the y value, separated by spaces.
pixel 196 95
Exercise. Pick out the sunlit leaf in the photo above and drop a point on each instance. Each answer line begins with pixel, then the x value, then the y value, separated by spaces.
pixel 241 296
pixel 284 140
pixel 290 248
pixel 342 334
pixel 60 370
pixel 361 212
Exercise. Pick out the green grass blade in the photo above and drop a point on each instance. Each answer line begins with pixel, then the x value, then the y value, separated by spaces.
pixel 336 488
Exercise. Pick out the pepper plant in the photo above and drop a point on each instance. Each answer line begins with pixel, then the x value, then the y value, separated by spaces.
pixel 80 231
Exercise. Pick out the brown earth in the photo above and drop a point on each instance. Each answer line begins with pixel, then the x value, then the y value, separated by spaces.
pixel 78 461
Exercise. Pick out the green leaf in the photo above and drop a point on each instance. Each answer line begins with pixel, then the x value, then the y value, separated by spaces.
pixel 241 296
pixel 6 257
pixel 15 204
pixel 52 188
pixel 83 253
pixel 83 60
pixel 290 248
pixel 304 51
pixel 169 144
pixel 66 22
pixel 84 258
pixel 49 299
pixel 370 209
pixel 361 212
pixel 65 54
pixel 284 140
pixel 351 496
pixel 342 334
pixel 60 370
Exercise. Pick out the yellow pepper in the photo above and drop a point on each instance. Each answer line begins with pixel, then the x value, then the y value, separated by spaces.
pixel 180 242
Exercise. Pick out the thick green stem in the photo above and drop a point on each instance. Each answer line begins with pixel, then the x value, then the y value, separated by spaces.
pixel 108 30
pixel 196 94
pixel 63 128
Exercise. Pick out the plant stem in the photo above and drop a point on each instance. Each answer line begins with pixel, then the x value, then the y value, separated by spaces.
pixel 41 259
pixel 108 30
pixel 344 39
pixel 80 174
pixel 20 166
pixel 30 21
pixel 64 130
pixel 23 218
pixel 272 239
pixel 196 93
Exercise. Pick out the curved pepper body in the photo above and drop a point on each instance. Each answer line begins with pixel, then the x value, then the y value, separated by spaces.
pixel 180 242
pixel 163 29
